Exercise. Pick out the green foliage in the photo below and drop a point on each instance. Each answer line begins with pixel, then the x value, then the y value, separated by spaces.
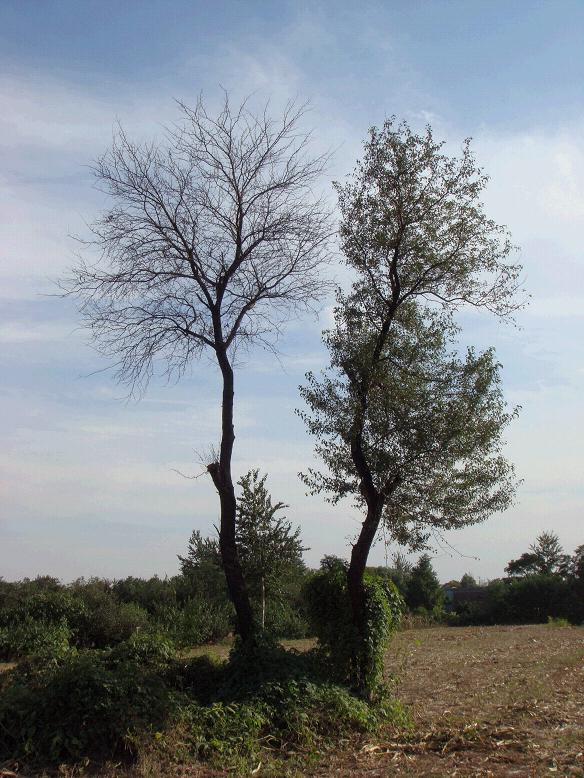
pixel 38 619
pixel 199 622
pixel 423 587
pixel 529 599
pixel 287 620
pixel 534 598
pixel 329 612
pixel 268 546
pixel 557 622
pixel 46 616
pixel 283 697
pixel 50 606
pixel 149 650
pixel 88 704
pixel 355 655
pixel 203 569
pixel 257 663
pixel 270 552
pixel 546 585
pixel 545 557
pixel 399 572
pixel 104 704
pixel 104 620
pixel 155 595
pixel 467 581
pixel 383 610
pixel 29 637
pixel 292 716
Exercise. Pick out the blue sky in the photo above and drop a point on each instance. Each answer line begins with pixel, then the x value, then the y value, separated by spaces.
pixel 87 480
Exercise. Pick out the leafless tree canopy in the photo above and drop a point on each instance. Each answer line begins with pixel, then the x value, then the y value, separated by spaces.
pixel 214 238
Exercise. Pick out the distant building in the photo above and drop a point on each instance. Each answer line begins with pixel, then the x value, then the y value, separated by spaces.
pixel 456 595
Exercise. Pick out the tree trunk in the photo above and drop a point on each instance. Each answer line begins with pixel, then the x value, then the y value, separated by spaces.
pixel 221 474
pixel 263 603
pixel 355 575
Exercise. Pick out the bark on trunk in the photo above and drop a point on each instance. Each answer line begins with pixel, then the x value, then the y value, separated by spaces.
pixel 359 557
pixel 355 575
pixel 263 603
pixel 221 474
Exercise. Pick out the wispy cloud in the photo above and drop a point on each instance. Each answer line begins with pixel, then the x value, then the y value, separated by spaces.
pixel 73 449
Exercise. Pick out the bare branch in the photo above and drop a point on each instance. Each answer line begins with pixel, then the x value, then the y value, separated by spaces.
pixel 213 239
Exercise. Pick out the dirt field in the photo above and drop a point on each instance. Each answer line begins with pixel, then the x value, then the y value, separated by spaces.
pixel 485 701
pixel 489 701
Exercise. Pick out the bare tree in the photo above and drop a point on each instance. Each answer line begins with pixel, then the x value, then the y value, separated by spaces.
pixel 214 238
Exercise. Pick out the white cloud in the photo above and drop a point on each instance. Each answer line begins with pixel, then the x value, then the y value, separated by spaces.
pixel 76 452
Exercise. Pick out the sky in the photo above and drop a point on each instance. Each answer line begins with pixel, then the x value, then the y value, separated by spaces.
pixel 88 479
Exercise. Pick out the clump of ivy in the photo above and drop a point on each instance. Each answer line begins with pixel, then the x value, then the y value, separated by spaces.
pixel 354 652
pixel 140 701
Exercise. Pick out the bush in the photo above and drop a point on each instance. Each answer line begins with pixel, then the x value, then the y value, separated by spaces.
pixel 199 623
pixel 105 621
pixel 286 621
pixel 49 607
pixel 354 659
pixel 137 698
pixel 30 637
pixel 89 704
pixel 147 649
pixel 532 599
pixel 557 622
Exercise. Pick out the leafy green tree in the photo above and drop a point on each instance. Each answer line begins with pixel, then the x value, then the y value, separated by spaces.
pixel 270 550
pixel 423 586
pixel 409 430
pixel 545 557
pixel 573 566
pixel 203 568
pixel 468 580
pixel 399 572
pixel 573 570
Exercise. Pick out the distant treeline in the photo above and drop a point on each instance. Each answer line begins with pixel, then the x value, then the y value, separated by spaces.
pixel 44 614
pixel 543 583
pixel 193 608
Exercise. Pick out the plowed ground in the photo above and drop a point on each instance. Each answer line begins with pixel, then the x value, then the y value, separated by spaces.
pixel 490 701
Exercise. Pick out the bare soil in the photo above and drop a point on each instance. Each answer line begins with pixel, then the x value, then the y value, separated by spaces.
pixel 485 701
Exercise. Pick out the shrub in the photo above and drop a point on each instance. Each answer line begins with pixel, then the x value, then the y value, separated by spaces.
pixel 286 621
pixel 302 715
pixel 30 637
pixel 531 599
pixel 136 697
pixel 105 621
pixel 199 623
pixel 557 622
pixel 89 704
pixel 354 659
pixel 147 649
pixel 49 607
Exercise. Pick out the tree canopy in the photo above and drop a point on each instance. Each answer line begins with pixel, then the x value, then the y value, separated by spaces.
pixel 545 557
pixel 406 427
pixel 430 435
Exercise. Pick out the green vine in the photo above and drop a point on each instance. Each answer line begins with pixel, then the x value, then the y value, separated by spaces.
pixel 355 655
